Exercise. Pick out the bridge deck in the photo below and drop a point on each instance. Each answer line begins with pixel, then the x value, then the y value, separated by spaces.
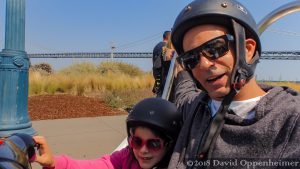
pixel 270 55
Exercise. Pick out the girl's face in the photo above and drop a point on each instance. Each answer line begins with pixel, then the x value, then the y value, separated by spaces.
pixel 148 148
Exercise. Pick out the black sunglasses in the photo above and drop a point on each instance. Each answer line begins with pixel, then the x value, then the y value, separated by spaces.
pixel 212 49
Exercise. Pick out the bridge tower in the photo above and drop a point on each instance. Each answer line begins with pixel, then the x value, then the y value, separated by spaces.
pixel 14 65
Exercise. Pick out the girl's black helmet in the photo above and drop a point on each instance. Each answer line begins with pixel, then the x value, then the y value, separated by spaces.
pixel 158 114
pixel 212 12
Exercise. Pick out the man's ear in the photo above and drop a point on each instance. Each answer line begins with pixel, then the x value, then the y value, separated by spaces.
pixel 250 49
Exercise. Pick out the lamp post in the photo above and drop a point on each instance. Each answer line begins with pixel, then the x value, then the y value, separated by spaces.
pixel 14 65
pixel 112 47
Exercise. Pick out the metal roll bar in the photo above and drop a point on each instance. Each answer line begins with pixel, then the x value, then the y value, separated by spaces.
pixel 277 14
pixel 169 80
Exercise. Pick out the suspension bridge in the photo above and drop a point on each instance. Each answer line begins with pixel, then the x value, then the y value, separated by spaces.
pixel 268 55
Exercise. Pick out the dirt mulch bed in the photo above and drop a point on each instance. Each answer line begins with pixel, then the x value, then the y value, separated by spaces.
pixel 63 106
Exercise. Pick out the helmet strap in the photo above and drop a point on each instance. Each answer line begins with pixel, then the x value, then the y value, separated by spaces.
pixel 242 71
pixel 204 152
pixel 238 77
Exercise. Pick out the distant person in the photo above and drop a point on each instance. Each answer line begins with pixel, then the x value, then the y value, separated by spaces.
pixel 228 116
pixel 152 127
pixel 162 55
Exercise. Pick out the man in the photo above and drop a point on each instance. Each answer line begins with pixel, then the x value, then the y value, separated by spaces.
pixel 232 118
pixel 161 63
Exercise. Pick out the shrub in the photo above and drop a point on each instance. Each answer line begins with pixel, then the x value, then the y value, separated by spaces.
pixel 79 69
pixel 125 99
pixel 119 67
pixel 43 68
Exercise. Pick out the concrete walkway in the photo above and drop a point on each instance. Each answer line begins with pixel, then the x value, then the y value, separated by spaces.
pixel 83 138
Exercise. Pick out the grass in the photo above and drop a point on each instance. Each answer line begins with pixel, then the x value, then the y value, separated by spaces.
pixel 293 85
pixel 119 84
pixel 125 99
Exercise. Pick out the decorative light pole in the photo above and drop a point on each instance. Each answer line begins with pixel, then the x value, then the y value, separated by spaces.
pixel 14 65
pixel 112 47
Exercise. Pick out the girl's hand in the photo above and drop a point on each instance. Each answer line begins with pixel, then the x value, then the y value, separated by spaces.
pixel 45 157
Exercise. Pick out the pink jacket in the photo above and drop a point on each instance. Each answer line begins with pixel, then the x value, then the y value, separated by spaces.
pixel 122 159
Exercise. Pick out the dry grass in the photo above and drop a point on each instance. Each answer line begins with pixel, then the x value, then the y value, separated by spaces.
pixel 121 88
pixel 118 84
pixel 81 84
pixel 293 85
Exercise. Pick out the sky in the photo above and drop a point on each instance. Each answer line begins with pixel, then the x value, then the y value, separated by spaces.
pixel 136 26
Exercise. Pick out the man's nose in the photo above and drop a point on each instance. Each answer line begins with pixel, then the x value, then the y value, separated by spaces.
pixel 205 63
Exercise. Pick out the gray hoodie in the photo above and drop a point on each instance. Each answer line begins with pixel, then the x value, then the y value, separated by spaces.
pixel 271 137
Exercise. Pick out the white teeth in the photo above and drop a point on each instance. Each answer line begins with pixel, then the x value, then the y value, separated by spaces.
pixel 214 78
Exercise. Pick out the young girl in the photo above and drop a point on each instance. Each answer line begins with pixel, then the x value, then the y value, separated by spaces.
pixel 152 127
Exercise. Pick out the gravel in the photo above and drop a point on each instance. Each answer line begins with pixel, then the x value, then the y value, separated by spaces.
pixel 61 106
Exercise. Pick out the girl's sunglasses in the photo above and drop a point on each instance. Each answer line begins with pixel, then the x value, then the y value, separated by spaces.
pixel 212 49
pixel 155 144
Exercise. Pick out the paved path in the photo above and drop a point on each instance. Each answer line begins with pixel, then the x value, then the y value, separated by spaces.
pixel 82 138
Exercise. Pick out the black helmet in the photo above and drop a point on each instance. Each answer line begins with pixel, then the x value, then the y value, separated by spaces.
pixel 229 13
pixel 158 114
pixel 214 12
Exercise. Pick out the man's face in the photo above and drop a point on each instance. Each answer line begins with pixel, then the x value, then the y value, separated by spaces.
pixel 213 74
pixel 168 36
